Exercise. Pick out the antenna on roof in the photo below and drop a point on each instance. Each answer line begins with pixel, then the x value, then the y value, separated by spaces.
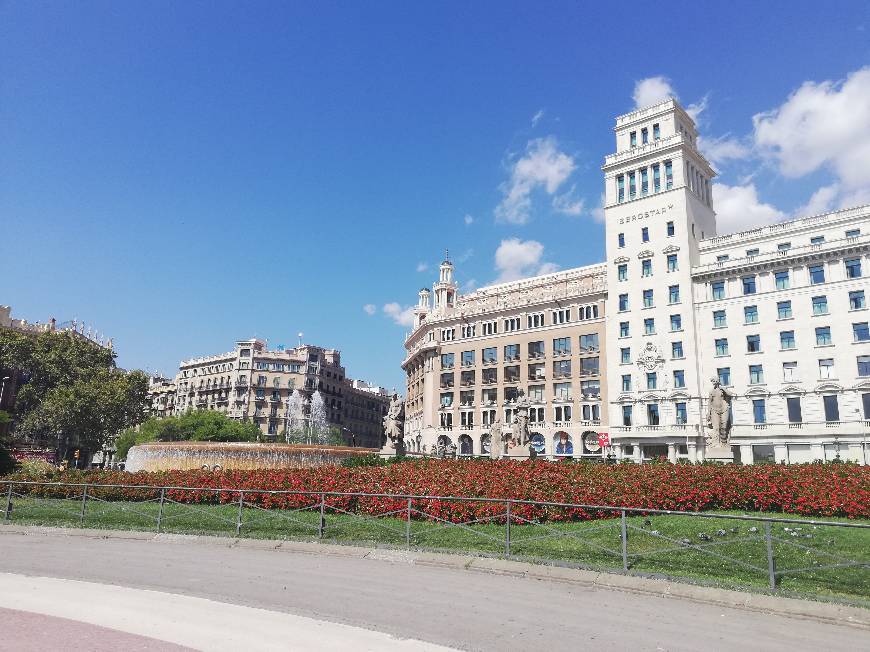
pixel 447 254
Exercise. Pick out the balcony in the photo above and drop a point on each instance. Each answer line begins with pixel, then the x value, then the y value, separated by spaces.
pixel 446 385
pixel 802 429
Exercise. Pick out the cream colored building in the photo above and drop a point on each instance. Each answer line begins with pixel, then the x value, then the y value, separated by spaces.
pixel 470 356
pixel 253 382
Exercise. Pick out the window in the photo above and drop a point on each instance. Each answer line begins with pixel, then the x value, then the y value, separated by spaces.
pixel 722 346
pixel 793 404
pixel 656 131
pixel 652 414
pixel 759 411
pixel 782 280
pixel 783 246
pixel 826 369
pixel 535 320
pixel 786 340
pixel 677 350
pixel 536 393
pixel 753 343
pixel 622 272
pixel 652 380
pixel 861 332
pixel 680 414
pixel 722 258
pixel 644 234
pixel 749 285
pixel 649 326
pixel 646 267
pixel 466 398
pixel 446 400
pixel 752 252
pixel 789 372
pixel 626 415
pixel 632 187
pixel 647 298
pixel 447 360
pixel 856 300
pixel 626 381
pixel 466 378
pixel 621 240
pixel 750 314
pixel 511 374
pixel 676 323
pixel 536 350
pixel 820 305
pixel 511 324
pixel 511 352
pixel 657 178
pixel 562 391
pixel 718 289
pixel 832 407
pixel 561 369
pixel 817 274
pixel 672 262
pixel 632 139
pixel 817 240
pixel 468 358
pixel 679 378
pixel 644 136
pixel 823 336
pixel 864 365
pixel 590 388
pixel 536 371
pixel 670 229
pixel 853 233
pixel 623 302
pixel 490 327
pixel 562 346
pixel 589 343
pixel 783 310
pixel 719 320
pixel 446 381
pixel 724 375
pixel 620 192
pixel 623 329
pixel 853 268
pixel 625 355
pixel 673 294
pixel 562 316
pixel 490 355
pixel 756 374
pixel 644 182
pixel 468 330
pixel 669 175
pixel 562 413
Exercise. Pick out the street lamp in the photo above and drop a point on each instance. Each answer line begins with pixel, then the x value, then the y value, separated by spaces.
pixel 3 387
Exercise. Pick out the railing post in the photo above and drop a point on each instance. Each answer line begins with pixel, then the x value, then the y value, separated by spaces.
pixel 239 517
pixel 322 516
pixel 160 510
pixel 771 561
pixel 623 526
pixel 84 503
pixel 507 529
pixel 408 525
pixel 8 514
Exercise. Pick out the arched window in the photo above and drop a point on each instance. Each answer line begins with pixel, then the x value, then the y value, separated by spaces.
pixel 484 444
pixel 444 440
pixel 466 445
pixel 563 444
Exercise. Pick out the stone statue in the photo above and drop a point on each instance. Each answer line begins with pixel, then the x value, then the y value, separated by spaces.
pixel 718 404
pixel 394 424
pixel 521 420
pixel 496 440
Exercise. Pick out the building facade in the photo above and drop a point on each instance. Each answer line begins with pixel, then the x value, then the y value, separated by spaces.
pixel 253 382
pixel 777 315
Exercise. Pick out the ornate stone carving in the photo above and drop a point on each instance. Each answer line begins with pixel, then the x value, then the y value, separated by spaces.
pixel 650 358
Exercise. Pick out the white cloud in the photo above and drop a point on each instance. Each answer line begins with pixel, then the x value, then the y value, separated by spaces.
pixel 652 90
pixel 468 219
pixel 401 316
pixel 823 125
pixel 820 202
pixel 537 117
pixel 739 209
pixel 370 309
pixel 568 203
pixel 469 286
pixel 543 166
pixel 696 109
pixel 516 259
pixel 598 211
pixel 422 267
pixel 465 256
pixel 722 149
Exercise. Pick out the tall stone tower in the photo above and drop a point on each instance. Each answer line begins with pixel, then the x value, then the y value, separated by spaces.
pixel 658 205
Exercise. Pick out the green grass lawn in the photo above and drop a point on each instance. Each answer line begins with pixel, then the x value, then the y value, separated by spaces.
pixel 592 544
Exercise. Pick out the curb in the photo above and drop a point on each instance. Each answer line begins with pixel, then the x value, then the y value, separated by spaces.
pixel 833 613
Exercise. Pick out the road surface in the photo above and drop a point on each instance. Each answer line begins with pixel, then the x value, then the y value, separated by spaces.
pixel 292 599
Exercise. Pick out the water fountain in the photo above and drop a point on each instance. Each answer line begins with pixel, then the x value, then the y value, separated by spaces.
pixel 318 427
pixel 294 417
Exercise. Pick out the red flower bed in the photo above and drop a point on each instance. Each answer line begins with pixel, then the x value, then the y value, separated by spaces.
pixel 808 489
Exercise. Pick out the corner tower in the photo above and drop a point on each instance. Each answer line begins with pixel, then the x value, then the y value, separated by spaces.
pixel 658 205
pixel 445 288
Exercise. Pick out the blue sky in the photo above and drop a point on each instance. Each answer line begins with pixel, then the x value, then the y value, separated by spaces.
pixel 181 175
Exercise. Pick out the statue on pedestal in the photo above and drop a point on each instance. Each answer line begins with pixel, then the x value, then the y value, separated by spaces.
pixel 394 425
pixel 520 428
pixel 718 408
pixel 496 440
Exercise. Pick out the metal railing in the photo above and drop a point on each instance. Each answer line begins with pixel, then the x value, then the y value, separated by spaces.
pixel 497 524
